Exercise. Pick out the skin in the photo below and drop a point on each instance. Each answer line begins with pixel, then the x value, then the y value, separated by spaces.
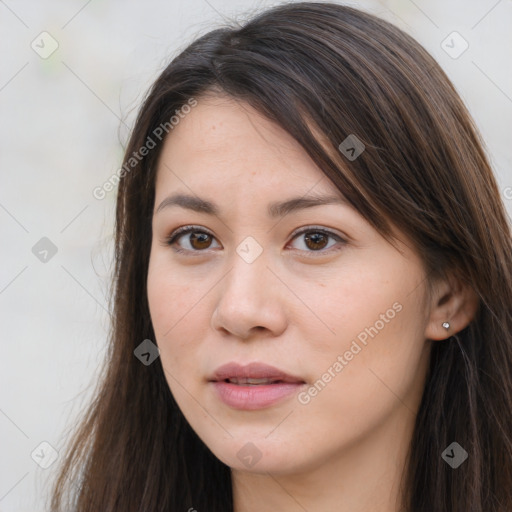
pixel 298 307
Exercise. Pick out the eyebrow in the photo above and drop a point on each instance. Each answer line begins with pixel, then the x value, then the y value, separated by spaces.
pixel 275 209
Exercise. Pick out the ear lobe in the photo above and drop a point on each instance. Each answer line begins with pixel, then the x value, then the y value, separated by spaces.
pixel 454 303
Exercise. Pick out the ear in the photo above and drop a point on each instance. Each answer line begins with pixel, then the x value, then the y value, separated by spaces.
pixel 451 302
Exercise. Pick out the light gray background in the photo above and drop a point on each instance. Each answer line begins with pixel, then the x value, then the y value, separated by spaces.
pixel 64 119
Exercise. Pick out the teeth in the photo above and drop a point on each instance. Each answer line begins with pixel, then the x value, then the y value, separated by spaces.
pixel 251 382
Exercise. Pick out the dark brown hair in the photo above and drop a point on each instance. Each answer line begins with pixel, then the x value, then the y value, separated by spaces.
pixel 322 72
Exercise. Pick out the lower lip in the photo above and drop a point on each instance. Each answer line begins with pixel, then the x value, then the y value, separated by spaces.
pixel 254 397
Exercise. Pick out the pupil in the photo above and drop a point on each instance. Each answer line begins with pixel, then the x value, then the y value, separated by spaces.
pixel 315 239
pixel 201 238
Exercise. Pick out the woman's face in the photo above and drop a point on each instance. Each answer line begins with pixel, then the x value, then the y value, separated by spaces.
pixel 312 291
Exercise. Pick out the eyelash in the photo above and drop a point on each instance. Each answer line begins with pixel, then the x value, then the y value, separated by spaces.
pixel 173 237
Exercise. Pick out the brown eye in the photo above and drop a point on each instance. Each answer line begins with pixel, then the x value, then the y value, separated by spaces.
pixel 316 240
pixel 197 239
pixel 200 240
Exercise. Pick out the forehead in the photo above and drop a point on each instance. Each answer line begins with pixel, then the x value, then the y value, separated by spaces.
pixel 223 141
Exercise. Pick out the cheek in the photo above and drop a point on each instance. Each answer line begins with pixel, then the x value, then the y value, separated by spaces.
pixel 382 376
pixel 378 318
pixel 172 295
pixel 347 304
pixel 173 305
pixel 374 295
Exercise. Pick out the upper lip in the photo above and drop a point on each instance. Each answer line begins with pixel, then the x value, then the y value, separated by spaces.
pixel 252 371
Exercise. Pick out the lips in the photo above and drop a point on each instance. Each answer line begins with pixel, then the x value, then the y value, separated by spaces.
pixel 254 386
pixel 253 374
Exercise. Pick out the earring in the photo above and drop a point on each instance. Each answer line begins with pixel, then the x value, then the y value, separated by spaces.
pixel 446 325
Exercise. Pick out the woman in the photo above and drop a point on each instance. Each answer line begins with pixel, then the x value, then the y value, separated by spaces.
pixel 309 231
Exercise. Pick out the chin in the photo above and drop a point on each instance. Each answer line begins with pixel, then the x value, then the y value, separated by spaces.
pixel 257 455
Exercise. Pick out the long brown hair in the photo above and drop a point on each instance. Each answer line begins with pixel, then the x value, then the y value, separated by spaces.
pixel 322 72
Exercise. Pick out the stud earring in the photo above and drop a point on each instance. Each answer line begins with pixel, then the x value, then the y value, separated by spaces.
pixel 446 325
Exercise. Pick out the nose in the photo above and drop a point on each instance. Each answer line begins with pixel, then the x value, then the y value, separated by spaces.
pixel 251 300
